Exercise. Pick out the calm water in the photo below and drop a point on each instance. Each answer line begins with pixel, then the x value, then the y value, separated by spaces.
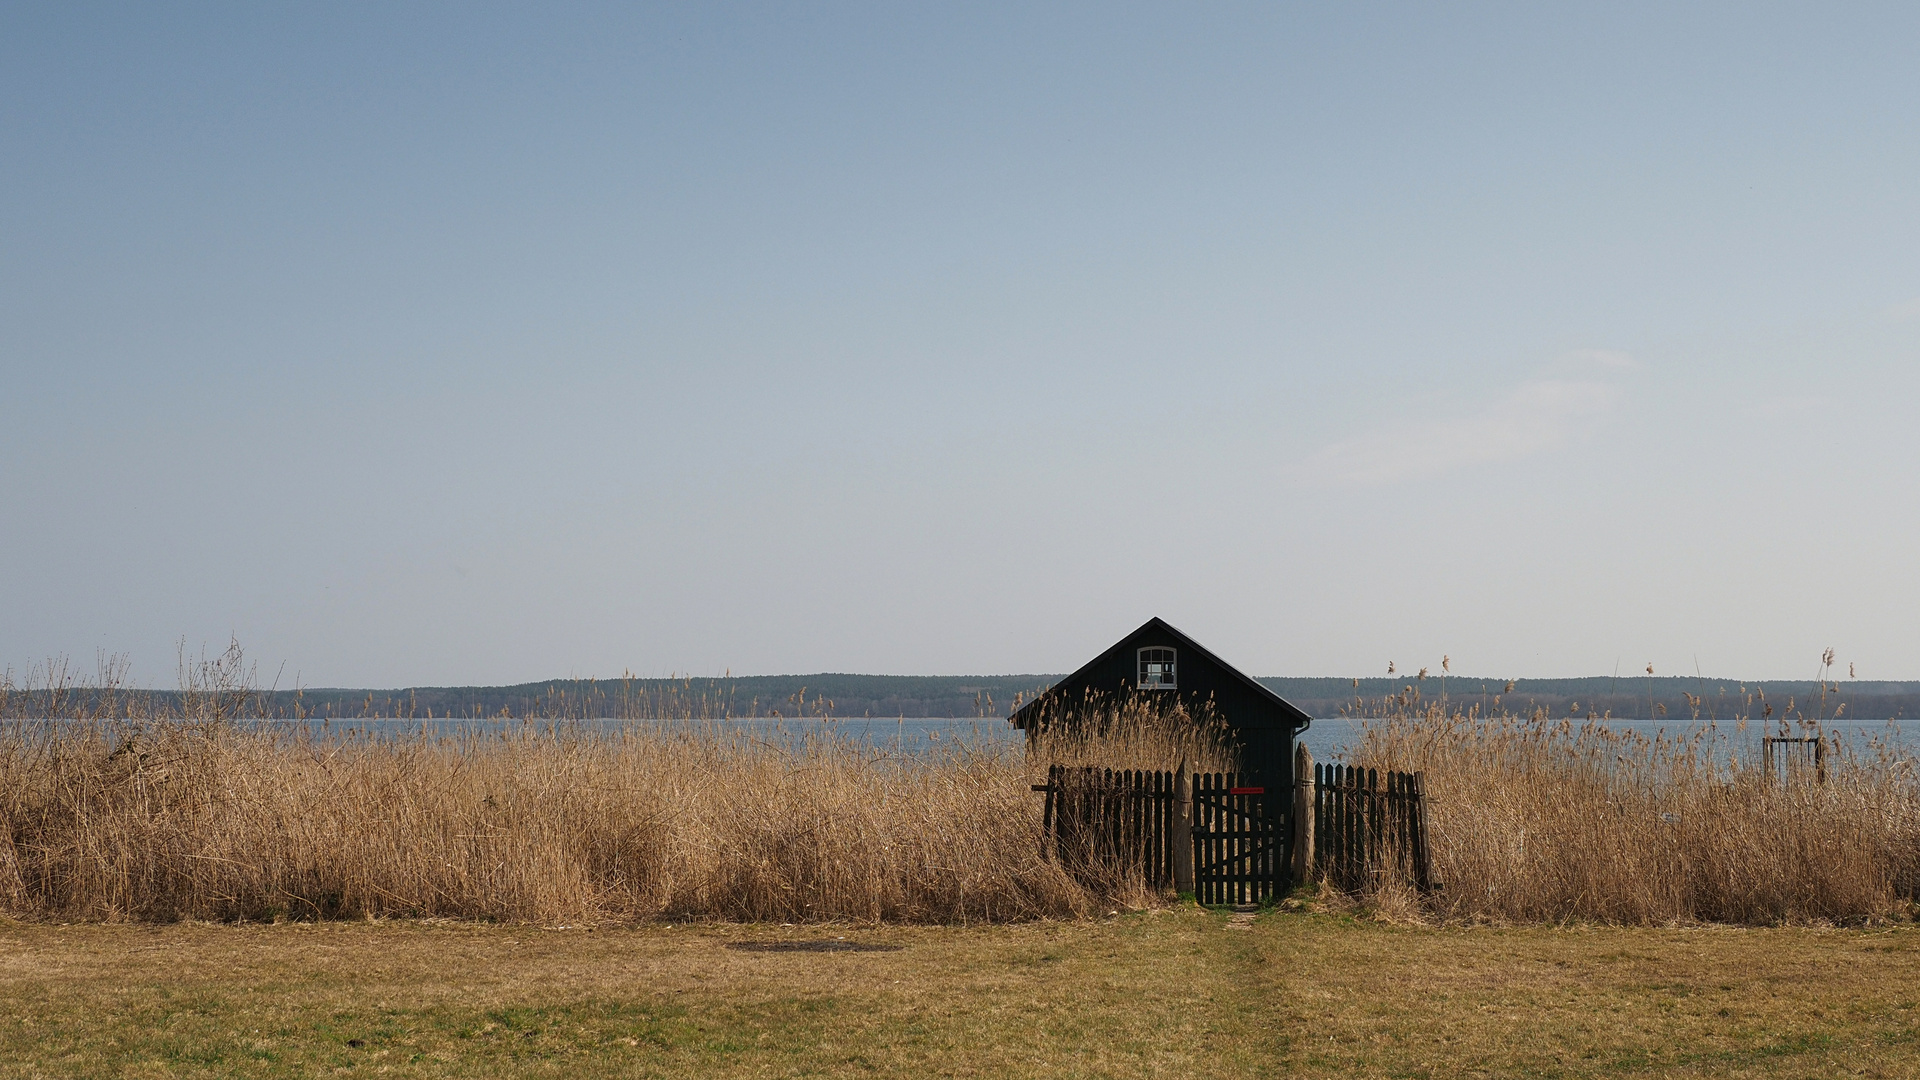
pixel 1328 738
pixel 900 734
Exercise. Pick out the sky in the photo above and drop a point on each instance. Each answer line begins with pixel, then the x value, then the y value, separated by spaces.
pixel 425 345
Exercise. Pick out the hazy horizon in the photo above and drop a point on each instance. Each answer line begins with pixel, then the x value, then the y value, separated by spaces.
pixel 480 345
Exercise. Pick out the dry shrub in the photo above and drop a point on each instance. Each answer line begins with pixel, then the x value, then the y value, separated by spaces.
pixel 1534 819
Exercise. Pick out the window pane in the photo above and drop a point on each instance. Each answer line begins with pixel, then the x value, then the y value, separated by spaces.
pixel 1156 668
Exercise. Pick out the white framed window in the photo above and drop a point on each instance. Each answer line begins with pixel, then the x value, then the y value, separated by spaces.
pixel 1156 669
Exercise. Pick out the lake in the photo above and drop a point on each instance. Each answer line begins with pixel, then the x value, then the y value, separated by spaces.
pixel 1327 739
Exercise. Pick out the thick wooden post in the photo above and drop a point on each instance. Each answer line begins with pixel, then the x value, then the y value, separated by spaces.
pixel 1302 815
pixel 1423 855
pixel 1182 838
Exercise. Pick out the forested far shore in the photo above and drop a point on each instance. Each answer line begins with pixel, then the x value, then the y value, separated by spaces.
pixel 1678 699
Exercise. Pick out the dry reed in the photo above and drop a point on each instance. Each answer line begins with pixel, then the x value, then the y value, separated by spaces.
pixel 1541 819
pixel 1136 731
pixel 107 812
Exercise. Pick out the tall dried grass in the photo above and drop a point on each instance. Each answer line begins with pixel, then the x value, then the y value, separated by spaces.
pixel 1136 731
pixel 107 812
pixel 112 807
pixel 1541 819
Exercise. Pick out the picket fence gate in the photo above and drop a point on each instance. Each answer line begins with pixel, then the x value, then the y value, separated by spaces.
pixel 1229 839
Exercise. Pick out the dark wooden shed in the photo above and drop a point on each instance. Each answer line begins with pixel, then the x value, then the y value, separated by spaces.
pixel 1158 659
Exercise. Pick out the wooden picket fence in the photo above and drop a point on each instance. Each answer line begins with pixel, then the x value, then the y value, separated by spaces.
pixel 1364 832
pixel 1112 819
pixel 1228 840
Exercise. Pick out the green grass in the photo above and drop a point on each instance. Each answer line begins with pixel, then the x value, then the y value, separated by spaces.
pixel 1160 994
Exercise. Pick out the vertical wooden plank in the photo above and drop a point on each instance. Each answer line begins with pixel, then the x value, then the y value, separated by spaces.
pixel 1135 850
pixel 1254 806
pixel 1216 844
pixel 1203 836
pixel 1136 825
pixel 1370 840
pixel 1397 862
pixel 1264 844
pixel 1271 838
pixel 1337 825
pixel 1225 854
pixel 1062 815
pixel 1410 785
pixel 1209 814
pixel 1219 802
pixel 1238 849
pixel 1302 823
pixel 1423 859
pixel 1251 808
pixel 1407 801
pixel 1354 814
pixel 1362 820
pixel 1219 809
pixel 1346 826
pixel 1163 873
pixel 1137 811
pixel 1048 840
pixel 1400 855
pixel 1149 820
pixel 1255 850
pixel 1330 817
pixel 1199 810
pixel 1154 829
pixel 1129 805
pixel 1222 804
pixel 1235 853
pixel 1413 825
pixel 1169 789
pixel 1193 832
pixel 1174 823
pixel 1321 815
pixel 1102 817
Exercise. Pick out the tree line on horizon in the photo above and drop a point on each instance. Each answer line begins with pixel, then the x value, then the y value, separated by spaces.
pixel 1676 698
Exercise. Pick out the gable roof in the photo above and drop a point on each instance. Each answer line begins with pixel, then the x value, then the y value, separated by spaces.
pixel 1022 715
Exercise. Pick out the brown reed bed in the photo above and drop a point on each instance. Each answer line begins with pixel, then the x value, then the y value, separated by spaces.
pixel 555 824
pixel 116 805
pixel 1542 819
pixel 112 809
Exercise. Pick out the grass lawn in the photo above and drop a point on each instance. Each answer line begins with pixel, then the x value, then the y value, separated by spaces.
pixel 1160 994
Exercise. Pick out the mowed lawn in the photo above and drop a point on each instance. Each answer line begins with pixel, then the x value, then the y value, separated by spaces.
pixel 1179 993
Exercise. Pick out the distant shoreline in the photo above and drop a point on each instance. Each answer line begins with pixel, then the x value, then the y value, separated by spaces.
pixel 964 696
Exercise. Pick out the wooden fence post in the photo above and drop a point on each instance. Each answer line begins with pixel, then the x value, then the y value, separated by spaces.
pixel 1182 838
pixel 1302 815
pixel 1422 853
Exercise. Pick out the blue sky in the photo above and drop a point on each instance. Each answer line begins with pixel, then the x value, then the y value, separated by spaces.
pixel 418 345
